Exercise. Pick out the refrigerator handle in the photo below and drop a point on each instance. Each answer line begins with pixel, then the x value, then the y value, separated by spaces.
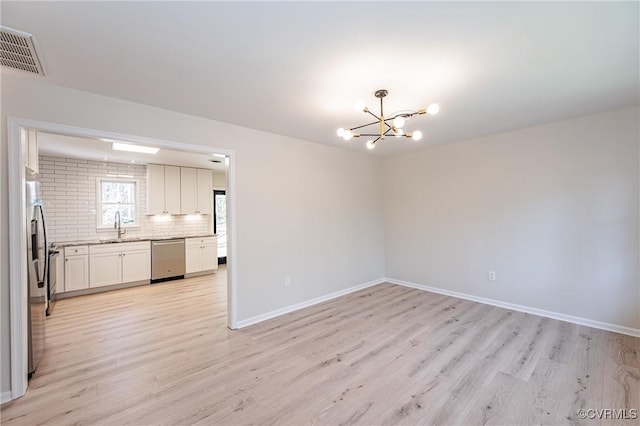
pixel 44 228
pixel 34 240
pixel 35 258
pixel 46 248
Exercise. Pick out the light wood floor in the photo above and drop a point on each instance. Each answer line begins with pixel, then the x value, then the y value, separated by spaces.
pixel 162 354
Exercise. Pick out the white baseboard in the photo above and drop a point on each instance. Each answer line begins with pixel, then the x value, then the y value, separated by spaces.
pixel 526 309
pixel 259 318
pixel 5 397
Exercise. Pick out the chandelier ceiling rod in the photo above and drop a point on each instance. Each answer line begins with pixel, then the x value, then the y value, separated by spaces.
pixel 386 129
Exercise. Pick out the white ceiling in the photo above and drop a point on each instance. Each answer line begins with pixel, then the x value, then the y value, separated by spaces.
pixel 297 68
pixel 99 150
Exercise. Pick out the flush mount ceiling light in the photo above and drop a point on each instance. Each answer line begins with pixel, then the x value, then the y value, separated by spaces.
pixel 117 146
pixel 390 126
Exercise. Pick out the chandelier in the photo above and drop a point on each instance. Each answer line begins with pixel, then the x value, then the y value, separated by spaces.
pixel 391 126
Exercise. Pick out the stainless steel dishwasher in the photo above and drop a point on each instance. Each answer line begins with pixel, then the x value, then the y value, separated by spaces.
pixel 167 259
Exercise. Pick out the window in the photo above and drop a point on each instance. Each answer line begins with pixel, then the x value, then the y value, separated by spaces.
pixel 118 195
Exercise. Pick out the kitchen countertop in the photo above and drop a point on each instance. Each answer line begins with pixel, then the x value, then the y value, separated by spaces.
pixel 124 240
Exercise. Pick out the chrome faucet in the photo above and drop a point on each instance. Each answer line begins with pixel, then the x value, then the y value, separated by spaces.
pixel 117 225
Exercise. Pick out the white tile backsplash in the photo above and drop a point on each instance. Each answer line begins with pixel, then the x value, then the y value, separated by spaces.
pixel 69 199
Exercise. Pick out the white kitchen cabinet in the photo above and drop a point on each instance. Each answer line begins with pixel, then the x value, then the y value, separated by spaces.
pixel 179 190
pixel 188 190
pixel 163 189
pixel 155 189
pixel 196 191
pixel 201 254
pixel 106 269
pixel 172 189
pixel 192 257
pixel 76 268
pixel 119 263
pixel 204 192
pixel 60 272
pixel 136 265
pixel 209 258
pixel 30 149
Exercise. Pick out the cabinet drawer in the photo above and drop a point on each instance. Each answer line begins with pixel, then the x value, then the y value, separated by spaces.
pixel 199 241
pixel 75 250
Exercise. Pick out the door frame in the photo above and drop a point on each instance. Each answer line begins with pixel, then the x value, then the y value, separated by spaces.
pixel 17 228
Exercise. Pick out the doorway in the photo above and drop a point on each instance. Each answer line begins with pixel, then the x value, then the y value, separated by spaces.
pixel 220 223
pixel 17 228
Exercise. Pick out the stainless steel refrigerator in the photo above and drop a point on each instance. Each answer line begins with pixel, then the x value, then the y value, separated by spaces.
pixel 37 265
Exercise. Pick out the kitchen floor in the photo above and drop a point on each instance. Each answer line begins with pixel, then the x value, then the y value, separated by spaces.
pixel 162 354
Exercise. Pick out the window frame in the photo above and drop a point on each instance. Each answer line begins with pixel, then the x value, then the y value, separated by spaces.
pixel 136 204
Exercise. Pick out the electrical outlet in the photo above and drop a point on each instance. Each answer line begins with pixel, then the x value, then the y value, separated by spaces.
pixel 492 275
pixel 287 281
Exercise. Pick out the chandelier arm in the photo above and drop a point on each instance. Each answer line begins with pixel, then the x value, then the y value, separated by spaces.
pixel 404 115
pixel 376 117
pixel 401 114
pixel 364 125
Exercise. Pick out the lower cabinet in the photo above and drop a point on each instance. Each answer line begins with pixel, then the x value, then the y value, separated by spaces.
pixel 106 269
pixel 76 268
pixel 60 286
pixel 136 265
pixel 201 254
pixel 119 263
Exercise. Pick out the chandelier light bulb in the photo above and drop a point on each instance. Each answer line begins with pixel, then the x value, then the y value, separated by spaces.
pixel 398 122
pixel 371 144
pixel 433 109
pixel 359 106
pixel 417 135
pixel 340 132
pixel 347 135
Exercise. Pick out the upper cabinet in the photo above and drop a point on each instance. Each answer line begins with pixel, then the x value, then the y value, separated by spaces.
pixel 204 192
pixel 163 189
pixel 172 189
pixel 196 191
pixel 178 190
pixel 188 193
pixel 30 149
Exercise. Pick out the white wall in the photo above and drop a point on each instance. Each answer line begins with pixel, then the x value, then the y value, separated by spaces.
pixel 69 198
pixel 219 179
pixel 305 210
pixel 554 210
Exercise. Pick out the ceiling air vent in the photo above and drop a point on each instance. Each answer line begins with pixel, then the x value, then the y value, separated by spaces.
pixel 18 51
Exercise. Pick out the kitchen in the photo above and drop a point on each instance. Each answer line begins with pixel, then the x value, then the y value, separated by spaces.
pixel 117 215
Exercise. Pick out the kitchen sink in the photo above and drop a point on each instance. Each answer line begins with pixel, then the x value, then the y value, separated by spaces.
pixel 123 240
